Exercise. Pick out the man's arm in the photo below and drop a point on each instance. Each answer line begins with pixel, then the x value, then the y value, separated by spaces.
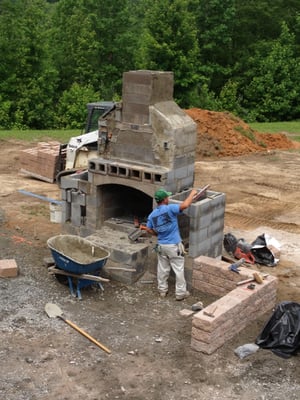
pixel 149 230
pixel 188 201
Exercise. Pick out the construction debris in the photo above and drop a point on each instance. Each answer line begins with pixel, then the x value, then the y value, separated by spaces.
pixel 197 306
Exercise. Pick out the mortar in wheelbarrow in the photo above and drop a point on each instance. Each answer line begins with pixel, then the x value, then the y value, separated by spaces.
pixel 77 255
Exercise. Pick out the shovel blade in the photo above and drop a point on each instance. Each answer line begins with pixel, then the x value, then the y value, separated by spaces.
pixel 52 310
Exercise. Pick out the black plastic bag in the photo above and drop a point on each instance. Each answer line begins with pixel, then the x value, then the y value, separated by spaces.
pixel 261 252
pixel 230 243
pixel 281 334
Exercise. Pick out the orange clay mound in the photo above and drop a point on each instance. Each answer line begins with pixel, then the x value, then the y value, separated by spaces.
pixel 221 134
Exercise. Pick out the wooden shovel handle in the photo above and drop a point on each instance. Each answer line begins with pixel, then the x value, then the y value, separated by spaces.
pixel 85 334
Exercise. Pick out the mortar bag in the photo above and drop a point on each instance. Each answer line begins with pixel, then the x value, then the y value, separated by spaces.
pixel 281 333
pixel 230 243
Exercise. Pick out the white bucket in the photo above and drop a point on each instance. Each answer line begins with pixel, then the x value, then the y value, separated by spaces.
pixel 55 213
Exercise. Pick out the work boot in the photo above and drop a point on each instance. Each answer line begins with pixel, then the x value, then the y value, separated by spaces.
pixel 183 296
pixel 163 294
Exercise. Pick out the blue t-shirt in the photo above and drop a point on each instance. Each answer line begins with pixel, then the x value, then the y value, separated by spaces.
pixel 163 220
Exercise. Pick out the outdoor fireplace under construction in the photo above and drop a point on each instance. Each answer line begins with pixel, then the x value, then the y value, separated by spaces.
pixel 145 142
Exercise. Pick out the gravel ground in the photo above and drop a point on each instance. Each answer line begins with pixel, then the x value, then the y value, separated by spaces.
pixel 151 357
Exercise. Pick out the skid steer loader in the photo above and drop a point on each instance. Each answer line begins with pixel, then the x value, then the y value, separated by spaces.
pixel 48 161
pixel 75 154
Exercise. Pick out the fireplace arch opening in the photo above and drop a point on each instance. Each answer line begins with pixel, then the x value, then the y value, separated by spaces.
pixel 123 203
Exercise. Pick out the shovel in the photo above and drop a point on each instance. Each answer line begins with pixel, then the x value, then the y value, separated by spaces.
pixel 53 311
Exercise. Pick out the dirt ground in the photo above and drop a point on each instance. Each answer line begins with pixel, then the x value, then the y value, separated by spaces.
pixel 151 358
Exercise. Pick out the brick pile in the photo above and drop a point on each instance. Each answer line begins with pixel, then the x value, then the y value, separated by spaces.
pixel 42 161
pixel 237 307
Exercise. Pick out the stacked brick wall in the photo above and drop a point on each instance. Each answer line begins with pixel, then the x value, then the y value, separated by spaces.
pixel 237 307
pixel 41 161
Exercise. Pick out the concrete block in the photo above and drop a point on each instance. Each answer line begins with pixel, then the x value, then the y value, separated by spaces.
pixel 63 195
pixel 152 86
pixel 216 227
pixel 198 236
pixel 84 186
pixel 99 166
pixel 180 161
pixel 184 183
pixel 65 212
pixel 201 207
pixel 8 268
pixel 76 217
pixel 203 221
pixel 68 195
pixel 200 248
pixel 78 198
pixel 67 182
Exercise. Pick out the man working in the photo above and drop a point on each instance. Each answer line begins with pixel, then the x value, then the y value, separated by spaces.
pixel 170 251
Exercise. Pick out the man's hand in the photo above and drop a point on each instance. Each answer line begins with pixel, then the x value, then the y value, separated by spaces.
pixel 200 192
pixel 188 201
pixel 151 231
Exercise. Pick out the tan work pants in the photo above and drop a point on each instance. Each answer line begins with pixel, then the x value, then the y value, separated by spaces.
pixel 170 257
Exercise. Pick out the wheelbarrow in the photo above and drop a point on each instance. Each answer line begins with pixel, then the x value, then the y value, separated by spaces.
pixel 78 260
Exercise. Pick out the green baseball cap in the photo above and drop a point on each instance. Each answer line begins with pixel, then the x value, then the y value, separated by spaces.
pixel 161 194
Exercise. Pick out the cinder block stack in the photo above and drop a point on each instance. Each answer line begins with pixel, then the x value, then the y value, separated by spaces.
pixel 232 312
pixel 41 162
pixel 206 224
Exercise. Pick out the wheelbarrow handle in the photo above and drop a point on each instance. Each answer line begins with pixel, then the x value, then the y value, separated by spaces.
pixel 85 334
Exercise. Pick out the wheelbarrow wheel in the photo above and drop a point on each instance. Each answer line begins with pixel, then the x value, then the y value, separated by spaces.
pixel 62 279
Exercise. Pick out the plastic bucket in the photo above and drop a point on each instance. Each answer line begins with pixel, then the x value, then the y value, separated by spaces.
pixel 55 213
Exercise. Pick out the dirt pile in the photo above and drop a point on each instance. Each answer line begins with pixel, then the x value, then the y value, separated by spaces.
pixel 221 134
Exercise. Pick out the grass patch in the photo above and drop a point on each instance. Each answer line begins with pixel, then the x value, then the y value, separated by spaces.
pixel 36 210
pixel 290 127
pixel 62 136
pixel 248 133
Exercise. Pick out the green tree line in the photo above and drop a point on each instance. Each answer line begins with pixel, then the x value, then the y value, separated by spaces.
pixel 234 55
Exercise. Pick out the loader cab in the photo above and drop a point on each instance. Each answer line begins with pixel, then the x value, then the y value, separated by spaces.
pixel 94 112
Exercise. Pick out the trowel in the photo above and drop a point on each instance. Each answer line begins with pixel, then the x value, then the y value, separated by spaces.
pixel 53 311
